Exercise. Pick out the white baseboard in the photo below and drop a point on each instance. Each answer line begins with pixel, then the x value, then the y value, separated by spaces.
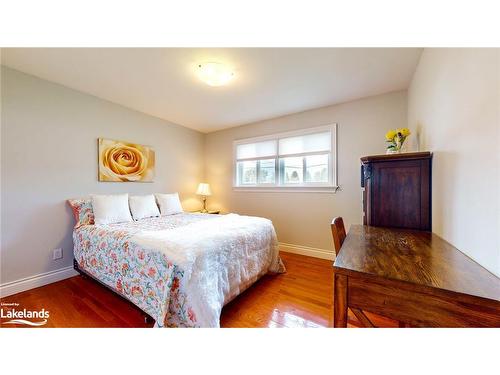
pixel 31 282
pixel 308 251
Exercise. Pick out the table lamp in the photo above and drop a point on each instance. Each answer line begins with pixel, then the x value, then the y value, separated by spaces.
pixel 204 191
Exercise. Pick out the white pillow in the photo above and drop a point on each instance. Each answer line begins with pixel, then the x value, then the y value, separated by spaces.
pixel 110 209
pixel 169 204
pixel 143 206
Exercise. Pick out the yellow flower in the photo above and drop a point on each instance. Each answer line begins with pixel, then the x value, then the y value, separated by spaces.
pixel 405 132
pixel 390 135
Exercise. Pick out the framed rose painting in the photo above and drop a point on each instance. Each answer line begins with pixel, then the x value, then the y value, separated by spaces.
pixel 125 162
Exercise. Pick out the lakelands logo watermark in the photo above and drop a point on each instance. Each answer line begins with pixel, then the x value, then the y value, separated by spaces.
pixel 10 310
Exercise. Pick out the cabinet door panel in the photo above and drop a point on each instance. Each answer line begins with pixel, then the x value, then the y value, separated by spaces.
pixel 396 190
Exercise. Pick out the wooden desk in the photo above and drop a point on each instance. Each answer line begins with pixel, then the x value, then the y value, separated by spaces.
pixel 415 277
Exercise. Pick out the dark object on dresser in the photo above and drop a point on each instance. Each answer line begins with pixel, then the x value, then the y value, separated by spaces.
pixel 397 190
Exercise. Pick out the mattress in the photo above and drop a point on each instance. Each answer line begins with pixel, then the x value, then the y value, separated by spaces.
pixel 180 269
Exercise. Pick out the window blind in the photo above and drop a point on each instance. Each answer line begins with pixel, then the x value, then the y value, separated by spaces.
pixel 308 143
pixel 256 150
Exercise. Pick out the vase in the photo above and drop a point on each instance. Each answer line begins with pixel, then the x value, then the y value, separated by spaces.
pixel 398 145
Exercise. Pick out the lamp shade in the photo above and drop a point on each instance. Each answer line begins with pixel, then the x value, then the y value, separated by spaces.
pixel 204 189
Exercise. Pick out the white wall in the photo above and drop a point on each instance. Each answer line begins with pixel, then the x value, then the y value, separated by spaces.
pixel 304 218
pixel 49 154
pixel 454 102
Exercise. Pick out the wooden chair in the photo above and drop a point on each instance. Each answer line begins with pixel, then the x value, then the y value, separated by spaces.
pixel 339 235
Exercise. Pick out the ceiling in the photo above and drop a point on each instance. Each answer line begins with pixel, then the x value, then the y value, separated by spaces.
pixel 269 82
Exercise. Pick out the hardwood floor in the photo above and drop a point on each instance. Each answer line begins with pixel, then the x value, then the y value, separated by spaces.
pixel 302 297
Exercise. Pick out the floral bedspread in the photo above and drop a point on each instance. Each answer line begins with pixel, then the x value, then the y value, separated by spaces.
pixel 180 269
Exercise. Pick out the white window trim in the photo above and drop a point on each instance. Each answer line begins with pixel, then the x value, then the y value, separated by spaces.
pixel 327 187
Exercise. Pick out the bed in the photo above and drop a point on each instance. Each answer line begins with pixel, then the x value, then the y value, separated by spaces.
pixel 179 269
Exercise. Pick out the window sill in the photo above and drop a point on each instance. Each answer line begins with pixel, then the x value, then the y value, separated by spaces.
pixel 281 189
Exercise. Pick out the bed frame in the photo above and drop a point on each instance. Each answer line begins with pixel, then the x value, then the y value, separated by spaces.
pixel 147 318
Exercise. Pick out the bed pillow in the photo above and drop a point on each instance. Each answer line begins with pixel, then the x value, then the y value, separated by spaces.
pixel 82 210
pixel 109 209
pixel 143 206
pixel 169 204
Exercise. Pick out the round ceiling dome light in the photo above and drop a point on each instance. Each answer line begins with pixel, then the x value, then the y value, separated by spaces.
pixel 215 74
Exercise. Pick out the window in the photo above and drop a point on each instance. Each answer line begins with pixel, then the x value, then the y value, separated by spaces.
pixel 301 159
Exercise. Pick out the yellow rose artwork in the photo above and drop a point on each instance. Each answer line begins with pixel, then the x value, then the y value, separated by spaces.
pixel 125 162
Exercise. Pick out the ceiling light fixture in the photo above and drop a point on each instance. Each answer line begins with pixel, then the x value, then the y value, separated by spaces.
pixel 215 74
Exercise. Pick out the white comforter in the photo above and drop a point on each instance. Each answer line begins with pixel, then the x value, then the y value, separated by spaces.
pixel 219 258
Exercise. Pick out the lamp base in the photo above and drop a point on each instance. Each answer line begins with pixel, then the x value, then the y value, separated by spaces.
pixel 204 209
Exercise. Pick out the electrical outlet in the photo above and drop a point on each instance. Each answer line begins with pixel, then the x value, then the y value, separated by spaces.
pixel 57 254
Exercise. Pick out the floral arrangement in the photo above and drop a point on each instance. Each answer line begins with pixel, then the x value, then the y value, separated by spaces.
pixel 396 139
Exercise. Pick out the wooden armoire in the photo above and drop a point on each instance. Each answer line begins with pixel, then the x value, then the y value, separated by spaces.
pixel 397 190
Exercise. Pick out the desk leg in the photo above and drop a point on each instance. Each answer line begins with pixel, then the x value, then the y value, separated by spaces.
pixel 340 301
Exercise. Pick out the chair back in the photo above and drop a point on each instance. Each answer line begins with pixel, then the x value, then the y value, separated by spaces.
pixel 338 233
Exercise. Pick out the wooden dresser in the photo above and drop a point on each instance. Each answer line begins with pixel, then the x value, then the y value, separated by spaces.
pixel 397 190
pixel 395 267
